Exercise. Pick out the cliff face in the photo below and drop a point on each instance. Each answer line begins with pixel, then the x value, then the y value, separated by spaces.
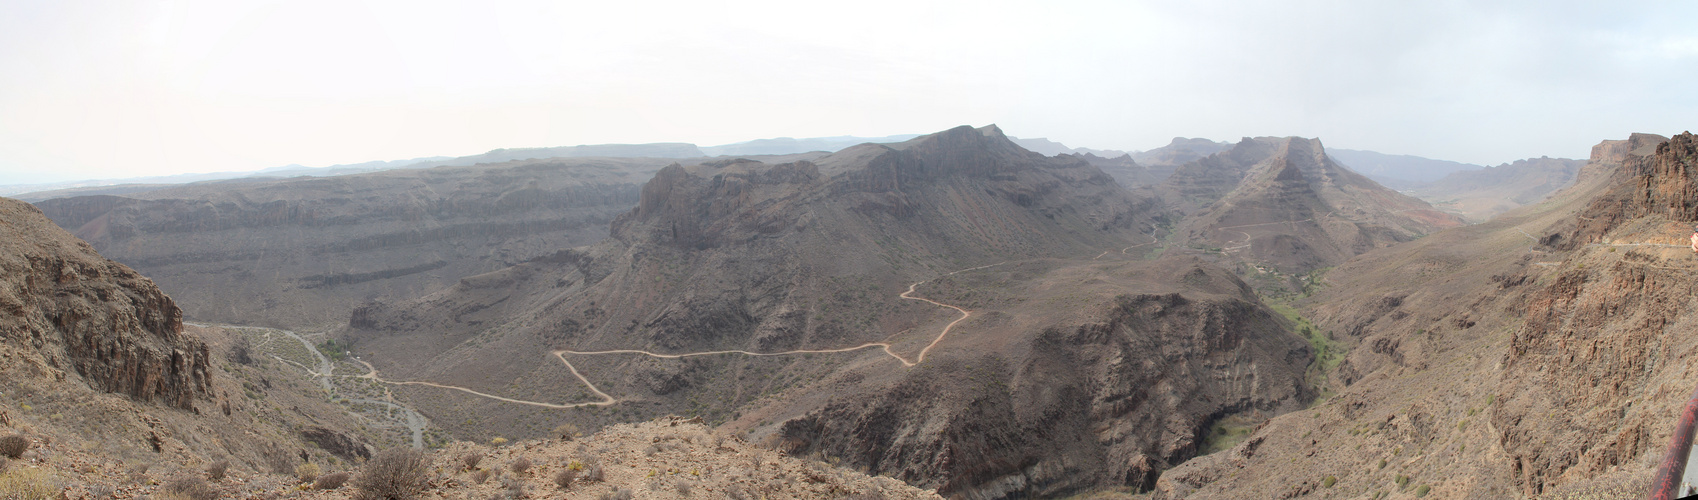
pixel 1652 176
pixel 91 315
pixel 1111 396
pixel 302 252
pixel 1595 376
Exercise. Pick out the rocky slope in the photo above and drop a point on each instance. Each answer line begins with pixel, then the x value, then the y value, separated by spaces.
pixel 660 459
pixel 1478 195
pixel 1535 355
pixel 303 252
pixel 838 252
pixel 88 315
pixel 1282 203
pixel 97 359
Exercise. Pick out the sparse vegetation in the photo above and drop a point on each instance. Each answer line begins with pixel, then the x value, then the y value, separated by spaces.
pixel 564 478
pixel 331 481
pixel 618 494
pixel 470 460
pixel 191 488
pixel 307 472
pixel 394 474
pixel 217 469
pixel 480 476
pixel 520 466
pixel 28 484
pixel 13 446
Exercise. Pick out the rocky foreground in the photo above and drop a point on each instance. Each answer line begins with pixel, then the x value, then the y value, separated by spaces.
pixel 664 458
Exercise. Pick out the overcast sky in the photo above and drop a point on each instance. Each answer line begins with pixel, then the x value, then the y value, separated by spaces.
pixel 129 88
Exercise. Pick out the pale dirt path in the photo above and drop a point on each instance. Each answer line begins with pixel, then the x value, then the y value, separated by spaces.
pixel 610 400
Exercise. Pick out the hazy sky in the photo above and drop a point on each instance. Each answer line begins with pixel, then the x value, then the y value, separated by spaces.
pixel 129 88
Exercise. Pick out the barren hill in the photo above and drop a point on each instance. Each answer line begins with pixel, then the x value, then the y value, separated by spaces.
pixel 927 310
pixel 1534 355
pixel 303 252
pixel 1478 195
pixel 1281 202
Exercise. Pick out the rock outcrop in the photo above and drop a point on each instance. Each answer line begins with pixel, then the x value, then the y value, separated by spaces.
pixel 93 316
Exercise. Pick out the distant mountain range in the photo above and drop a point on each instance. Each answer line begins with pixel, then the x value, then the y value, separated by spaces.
pixel 1451 185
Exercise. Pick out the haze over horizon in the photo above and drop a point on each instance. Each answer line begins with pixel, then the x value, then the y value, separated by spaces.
pixel 126 89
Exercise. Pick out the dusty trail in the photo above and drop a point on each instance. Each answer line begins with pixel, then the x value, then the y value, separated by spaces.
pixel 1247 236
pixel 607 400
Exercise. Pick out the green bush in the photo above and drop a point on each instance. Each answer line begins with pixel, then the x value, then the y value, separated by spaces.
pixel 1422 491
pixel 1402 481
pixel 1329 481
pixel 394 474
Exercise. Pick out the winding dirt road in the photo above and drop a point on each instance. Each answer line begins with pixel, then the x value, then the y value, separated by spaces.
pixel 609 400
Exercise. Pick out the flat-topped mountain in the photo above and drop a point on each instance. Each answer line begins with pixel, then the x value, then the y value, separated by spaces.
pixel 303 252
pixel 1283 202
pixel 953 311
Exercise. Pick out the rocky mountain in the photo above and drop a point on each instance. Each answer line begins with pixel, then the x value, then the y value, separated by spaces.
pixel 1048 147
pixel 1125 171
pixel 1533 355
pixel 1283 203
pixel 304 252
pixel 1400 172
pixel 953 311
pixel 787 145
pixel 1163 160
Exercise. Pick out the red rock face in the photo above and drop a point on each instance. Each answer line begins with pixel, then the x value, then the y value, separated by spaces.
pixel 99 318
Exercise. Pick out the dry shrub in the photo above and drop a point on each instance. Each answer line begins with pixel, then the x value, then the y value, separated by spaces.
pixel 13 446
pixel 29 484
pixel 618 494
pixel 480 476
pixel 520 466
pixel 394 474
pixel 330 481
pixel 307 472
pixel 595 475
pixel 515 487
pixel 471 460
pixel 191 487
pixel 564 478
pixel 217 470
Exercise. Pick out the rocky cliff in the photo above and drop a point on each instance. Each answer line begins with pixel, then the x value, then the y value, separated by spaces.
pixel 92 316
